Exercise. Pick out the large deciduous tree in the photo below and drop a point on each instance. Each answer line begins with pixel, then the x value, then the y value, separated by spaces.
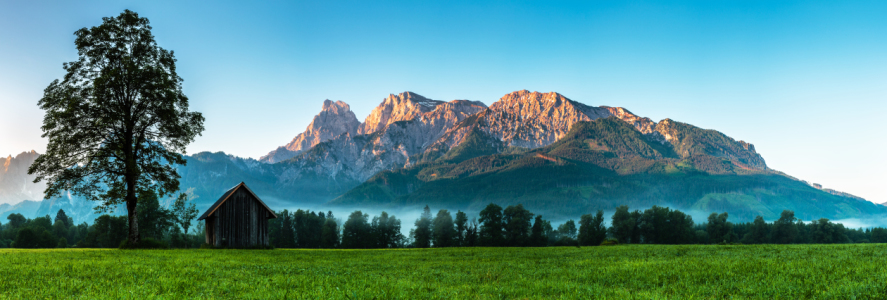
pixel 118 121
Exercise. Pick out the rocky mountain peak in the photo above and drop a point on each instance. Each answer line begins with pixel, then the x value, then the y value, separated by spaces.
pixel 334 119
pixel 527 119
pixel 15 183
pixel 337 107
pixel 401 107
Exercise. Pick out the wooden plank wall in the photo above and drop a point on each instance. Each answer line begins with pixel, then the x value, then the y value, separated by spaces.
pixel 241 222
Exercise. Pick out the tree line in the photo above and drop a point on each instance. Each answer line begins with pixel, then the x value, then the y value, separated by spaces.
pixel 515 226
pixel 512 226
pixel 159 226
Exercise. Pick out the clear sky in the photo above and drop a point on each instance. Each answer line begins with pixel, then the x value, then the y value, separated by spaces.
pixel 805 81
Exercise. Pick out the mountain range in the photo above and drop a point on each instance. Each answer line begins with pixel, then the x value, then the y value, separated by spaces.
pixel 554 155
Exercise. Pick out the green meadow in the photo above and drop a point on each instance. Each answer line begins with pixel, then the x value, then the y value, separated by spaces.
pixel 849 271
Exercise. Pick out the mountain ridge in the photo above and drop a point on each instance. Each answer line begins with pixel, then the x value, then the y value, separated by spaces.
pixel 541 149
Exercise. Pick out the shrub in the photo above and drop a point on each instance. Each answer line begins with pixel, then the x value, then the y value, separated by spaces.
pixel 145 243
pixel 610 242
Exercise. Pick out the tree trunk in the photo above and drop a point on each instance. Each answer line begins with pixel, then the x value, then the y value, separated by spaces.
pixel 131 202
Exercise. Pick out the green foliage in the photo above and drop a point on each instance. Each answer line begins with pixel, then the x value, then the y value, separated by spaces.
pixel 538 237
pixel 784 230
pixel 154 221
pixel 106 232
pixel 461 224
pixel 118 120
pixel 758 232
pixel 356 231
pixel 878 235
pixel 16 220
pixel 422 233
pixel 443 231
pixel 34 237
pixel 184 213
pixel 568 229
pixel 329 237
pixel 719 230
pixel 492 229
pixel 623 225
pixel 592 231
pixel 386 231
pixel 517 221
pixel 610 242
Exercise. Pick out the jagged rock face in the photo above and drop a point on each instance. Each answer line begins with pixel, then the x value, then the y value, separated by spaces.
pixel 644 125
pixel 15 183
pixel 532 119
pixel 333 120
pixel 688 140
pixel 407 124
pixel 401 107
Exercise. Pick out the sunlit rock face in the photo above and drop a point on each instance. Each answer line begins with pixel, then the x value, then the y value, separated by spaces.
pixel 408 127
pixel 15 183
pixel 401 107
pixel 401 126
pixel 688 141
pixel 532 119
pixel 334 119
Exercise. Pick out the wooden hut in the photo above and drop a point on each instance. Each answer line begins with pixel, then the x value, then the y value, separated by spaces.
pixel 239 219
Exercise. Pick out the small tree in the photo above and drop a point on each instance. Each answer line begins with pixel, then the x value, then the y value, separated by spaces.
pixel 61 216
pixel 879 235
pixel 422 233
pixel 784 230
pixel 471 233
pixel 518 221
pixel 461 226
pixel 758 232
pixel 118 121
pixel 443 233
pixel 622 225
pixel 356 231
pixel 592 230
pixel 183 212
pixel 330 235
pixel 153 219
pixel 16 220
pixel 568 229
pixel 537 235
pixel 491 228
pixel 719 230
pixel 386 229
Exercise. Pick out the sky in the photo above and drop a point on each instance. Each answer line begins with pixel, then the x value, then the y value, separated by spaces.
pixel 804 81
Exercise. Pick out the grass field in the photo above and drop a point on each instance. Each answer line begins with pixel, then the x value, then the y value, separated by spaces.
pixel 622 272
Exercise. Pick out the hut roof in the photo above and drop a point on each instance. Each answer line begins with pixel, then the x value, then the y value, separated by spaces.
pixel 227 195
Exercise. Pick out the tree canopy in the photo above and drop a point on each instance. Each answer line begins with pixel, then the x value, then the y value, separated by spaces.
pixel 118 121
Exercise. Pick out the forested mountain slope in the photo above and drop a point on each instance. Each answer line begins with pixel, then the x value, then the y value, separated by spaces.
pixel 602 164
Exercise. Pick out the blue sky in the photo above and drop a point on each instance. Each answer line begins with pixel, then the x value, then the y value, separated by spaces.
pixel 805 81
